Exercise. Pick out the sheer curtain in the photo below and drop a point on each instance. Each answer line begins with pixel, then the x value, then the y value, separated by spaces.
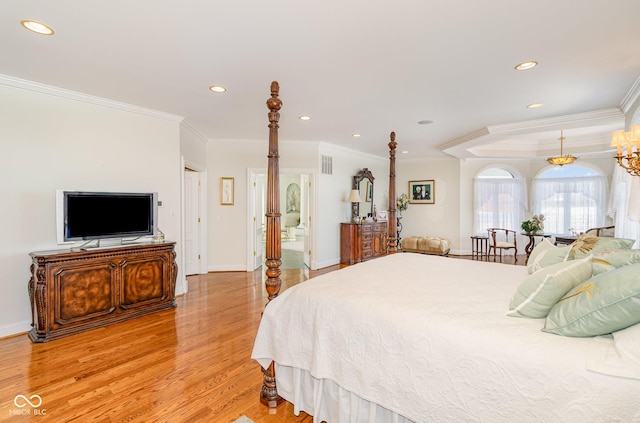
pixel 624 205
pixel 570 203
pixel 498 203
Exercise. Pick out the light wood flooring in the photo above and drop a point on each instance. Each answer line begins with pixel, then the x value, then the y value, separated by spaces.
pixel 188 364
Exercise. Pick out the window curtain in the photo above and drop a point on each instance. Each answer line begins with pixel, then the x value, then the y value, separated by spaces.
pixel 624 205
pixel 498 203
pixel 571 203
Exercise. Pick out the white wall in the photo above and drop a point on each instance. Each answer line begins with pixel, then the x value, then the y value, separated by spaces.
pixel 53 139
pixel 442 218
pixel 193 147
pixel 227 224
pixel 333 193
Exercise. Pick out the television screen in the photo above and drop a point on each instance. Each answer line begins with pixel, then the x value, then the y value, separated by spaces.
pixel 96 215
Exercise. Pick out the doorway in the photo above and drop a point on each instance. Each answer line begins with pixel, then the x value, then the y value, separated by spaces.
pixel 296 194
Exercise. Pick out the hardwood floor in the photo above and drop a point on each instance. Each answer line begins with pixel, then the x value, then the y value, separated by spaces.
pixel 188 364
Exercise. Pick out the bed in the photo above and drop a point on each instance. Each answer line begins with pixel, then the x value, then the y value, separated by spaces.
pixel 417 338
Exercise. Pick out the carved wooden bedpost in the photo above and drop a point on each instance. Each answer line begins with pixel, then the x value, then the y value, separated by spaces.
pixel 392 247
pixel 269 392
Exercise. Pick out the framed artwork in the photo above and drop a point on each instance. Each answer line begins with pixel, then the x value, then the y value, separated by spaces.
pixel 369 192
pixel 382 216
pixel 422 192
pixel 226 191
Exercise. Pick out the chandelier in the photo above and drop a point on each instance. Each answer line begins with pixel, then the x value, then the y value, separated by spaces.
pixel 631 139
pixel 561 160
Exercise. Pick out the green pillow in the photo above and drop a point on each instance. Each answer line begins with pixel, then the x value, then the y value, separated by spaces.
pixel 609 261
pixel 545 254
pixel 588 244
pixel 601 305
pixel 542 290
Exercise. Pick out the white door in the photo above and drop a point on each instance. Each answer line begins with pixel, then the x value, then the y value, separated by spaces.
pixel 192 232
pixel 259 187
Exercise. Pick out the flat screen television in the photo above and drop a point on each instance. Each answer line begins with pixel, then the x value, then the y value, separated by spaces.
pixel 84 216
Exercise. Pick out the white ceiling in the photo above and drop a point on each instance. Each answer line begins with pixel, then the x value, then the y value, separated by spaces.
pixel 354 66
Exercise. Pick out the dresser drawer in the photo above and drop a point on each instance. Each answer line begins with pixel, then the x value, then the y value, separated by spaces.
pixel 380 227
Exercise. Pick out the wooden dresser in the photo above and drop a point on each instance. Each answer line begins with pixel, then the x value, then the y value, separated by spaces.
pixel 362 241
pixel 73 291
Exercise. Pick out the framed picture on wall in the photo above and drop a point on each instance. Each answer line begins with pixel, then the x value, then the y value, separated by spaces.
pixel 226 191
pixel 422 192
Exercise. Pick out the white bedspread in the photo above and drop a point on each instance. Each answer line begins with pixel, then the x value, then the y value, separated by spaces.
pixel 427 337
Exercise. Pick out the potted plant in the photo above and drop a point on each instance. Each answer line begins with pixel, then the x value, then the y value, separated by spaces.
pixel 534 225
pixel 402 202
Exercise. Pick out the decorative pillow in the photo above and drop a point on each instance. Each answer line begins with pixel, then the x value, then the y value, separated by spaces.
pixel 609 261
pixel 601 305
pixel 545 254
pixel 588 244
pixel 542 290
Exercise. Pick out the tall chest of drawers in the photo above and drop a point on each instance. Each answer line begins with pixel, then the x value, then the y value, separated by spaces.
pixel 362 241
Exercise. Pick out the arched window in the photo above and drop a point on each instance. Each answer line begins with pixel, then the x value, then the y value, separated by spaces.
pixel 572 198
pixel 499 200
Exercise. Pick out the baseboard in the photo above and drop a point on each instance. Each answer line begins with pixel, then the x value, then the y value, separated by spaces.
pixel 228 268
pixel 14 329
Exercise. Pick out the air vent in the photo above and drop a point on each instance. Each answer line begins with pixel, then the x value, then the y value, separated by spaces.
pixel 327 165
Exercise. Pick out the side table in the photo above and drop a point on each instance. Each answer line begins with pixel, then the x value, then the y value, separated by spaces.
pixel 565 239
pixel 532 243
pixel 479 247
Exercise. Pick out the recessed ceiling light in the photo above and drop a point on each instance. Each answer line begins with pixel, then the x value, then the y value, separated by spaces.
pixel 305 118
pixel 217 89
pixel 356 135
pixel 37 27
pixel 535 105
pixel 404 151
pixel 425 122
pixel 526 65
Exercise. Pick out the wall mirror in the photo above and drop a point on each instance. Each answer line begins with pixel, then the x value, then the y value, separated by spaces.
pixel 363 182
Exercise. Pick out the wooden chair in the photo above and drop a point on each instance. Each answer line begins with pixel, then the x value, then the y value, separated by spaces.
pixel 503 239
pixel 608 231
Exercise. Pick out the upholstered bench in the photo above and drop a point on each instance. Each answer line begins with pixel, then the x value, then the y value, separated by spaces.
pixel 426 245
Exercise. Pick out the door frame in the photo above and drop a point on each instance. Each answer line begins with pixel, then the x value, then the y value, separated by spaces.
pixel 251 207
pixel 202 212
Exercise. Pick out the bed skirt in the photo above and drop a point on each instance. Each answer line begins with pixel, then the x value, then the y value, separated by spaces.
pixel 327 401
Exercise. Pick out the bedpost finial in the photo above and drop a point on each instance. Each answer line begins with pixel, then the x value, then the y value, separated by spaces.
pixel 393 144
pixel 274 103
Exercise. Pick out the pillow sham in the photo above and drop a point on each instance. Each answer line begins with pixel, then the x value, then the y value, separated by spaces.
pixel 587 244
pixel 545 254
pixel 601 305
pixel 612 260
pixel 539 292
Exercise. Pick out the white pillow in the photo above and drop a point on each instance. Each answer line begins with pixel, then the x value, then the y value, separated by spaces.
pixel 545 254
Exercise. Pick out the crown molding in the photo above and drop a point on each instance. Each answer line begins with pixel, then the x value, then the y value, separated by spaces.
pixel 186 124
pixel 461 147
pixel 631 97
pixel 23 84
